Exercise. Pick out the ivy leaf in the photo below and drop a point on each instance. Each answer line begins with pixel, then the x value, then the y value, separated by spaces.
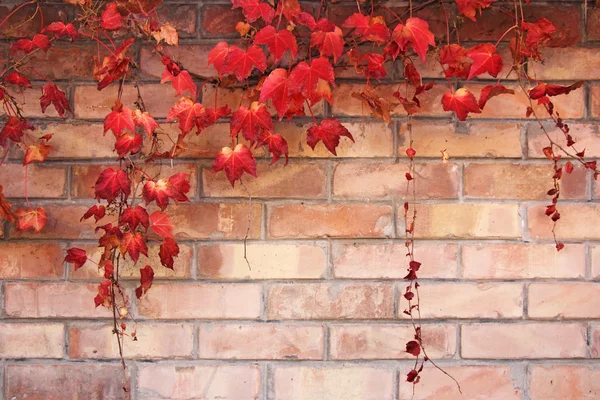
pixel 277 146
pixel 416 34
pixel 146 278
pixel 166 33
pixel 134 217
pixel 217 56
pixel 491 91
pixel 277 42
pixel 549 89
pixel 462 102
pixel 51 94
pixel 119 120
pixel 305 77
pixel 37 153
pixel 59 29
pixel 14 129
pixel 186 111
pixel 328 39
pixel 381 107
pixel 275 87
pixel 569 167
pixel 538 32
pixel 235 162
pixel 485 59
pixel 329 131
pixel 372 29
pixel 241 63
pixel 161 224
pixel 31 219
pixel 181 80
pixel 133 243
pixel 168 250
pixel 111 184
pixel 413 348
pixel 469 8
pixel 255 9
pixel 5 208
pixel 111 18
pixel 145 121
pixel 289 8
pixel 96 211
pixel 128 143
pixel 17 79
pixel 175 188
pixel 455 57
pixel 252 121
pixel 76 256
pixel 103 298
pixel 38 41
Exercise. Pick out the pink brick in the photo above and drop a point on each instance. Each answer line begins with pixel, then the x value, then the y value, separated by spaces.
pixel 564 300
pixel 577 222
pixel 43 181
pixel 31 260
pixel 18 340
pixel 558 382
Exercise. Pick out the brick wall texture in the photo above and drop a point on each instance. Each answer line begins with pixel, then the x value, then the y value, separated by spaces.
pixel 319 315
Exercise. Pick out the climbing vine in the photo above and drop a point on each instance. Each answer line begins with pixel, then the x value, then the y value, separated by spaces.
pixel 287 57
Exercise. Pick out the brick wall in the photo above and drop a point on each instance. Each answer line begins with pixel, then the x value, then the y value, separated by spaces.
pixel 319 315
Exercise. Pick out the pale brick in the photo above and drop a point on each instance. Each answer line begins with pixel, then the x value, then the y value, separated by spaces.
pixel 217 221
pixel 568 63
pixel 577 222
pixel 564 300
pixel 193 57
pixel 558 382
pixel 79 140
pixel 31 340
pixel 31 260
pixel 585 135
pixel 63 223
pixel 43 181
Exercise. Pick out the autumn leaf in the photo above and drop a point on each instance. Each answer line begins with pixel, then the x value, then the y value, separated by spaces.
pixel 128 143
pixel 76 256
pixel 181 80
pixel 305 78
pixel 235 162
pixel 255 9
pixel 276 145
pixel 413 348
pixel 146 278
pixel 416 34
pixel 166 33
pixel 275 88
pixel 469 8
pixel 14 129
pixel 31 219
pixel 462 102
pixel 36 153
pixel 491 91
pixel 161 224
pixel 455 57
pixel 133 243
pixel 381 107
pixel 111 18
pixel 111 184
pixel 175 188
pixel 51 94
pixel 145 121
pixel 96 211
pixel 59 29
pixel 16 78
pixel 329 131
pixel 186 111
pixel 103 298
pixel 485 59
pixel 251 121
pixel 328 39
pixel 134 217
pixel 241 63
pixel 367 28
pixel 167 251
pixel 217 56
pixel 39 41
pixel 277 42
pixel 549 89
pixel 5 208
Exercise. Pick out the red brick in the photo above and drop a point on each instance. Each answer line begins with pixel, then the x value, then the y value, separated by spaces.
pixel 522 261
pixel 370 180
pixel 130 270
pixel 63 223
pixel 488 220
pixel 476 382
pixel 595 97
pixel 170 341
pixel 181 16
pixel 524 340
pixel 31 261
pixel 564 300
pixel 260 342
pixel 52 300
pixel 567 64
pixel 31 340
pixel 93 104
pixel 296 180
pixel 218 221
pixel 382 342
pixel 226 382
pixel 388 260
pixel 58 63
pixel 577 222
pixel 493 139
pixel 467 300
pixel 79 140
pixel 585 135
pixel 330 301
pixel 86 175
pixel 330 220
pixel 521 181
pixel 193 57
pixel 29 102
pixel 219 20
pixel 26 22
pixel 64 381
pixel 557 382
pixel 201 301
pixel 515 106
pixel 43 181
pixel 267 261
pixel 333 383
pixel 593 23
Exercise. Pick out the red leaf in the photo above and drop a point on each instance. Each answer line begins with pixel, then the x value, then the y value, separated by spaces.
pixel 187 112
pixel 128 143
pixel 103 298
pixel 329 131
pixel 111 18
pixel 14 129
pixel 485 59
pixel 412 376
pixel 98 212
pixel 5 208
pixel 235 162
pixel 548 89
pixel 305 78
pixel 161 224
pixel 413 348
pixel 255 9
pixel 277 146
pixel 76 256
pixel 111 184
pixel 252 121
pixel 217 56
pixel 51 94
pixel 174 188
pixel 548 153
pixel 416 34
pixel 39 41
pixel 455 57
pixel 145 121
pixel 277 42
pixel 134 217
pixel 569 167
pixel 275 87
pixel 560 246
pixel 37 153
pixel 133 243
pixel 146 278
pixel 491 91
pixel 59 29
pixel 241 63
pixel 462 102
pixel 410 152
pixel 181 82
pixel 369 28
pixel 17 79
pixel 468 8
pixel 538 32
pixel 328 39
pixel 31 219
pixel 119 120
pixel 168 250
